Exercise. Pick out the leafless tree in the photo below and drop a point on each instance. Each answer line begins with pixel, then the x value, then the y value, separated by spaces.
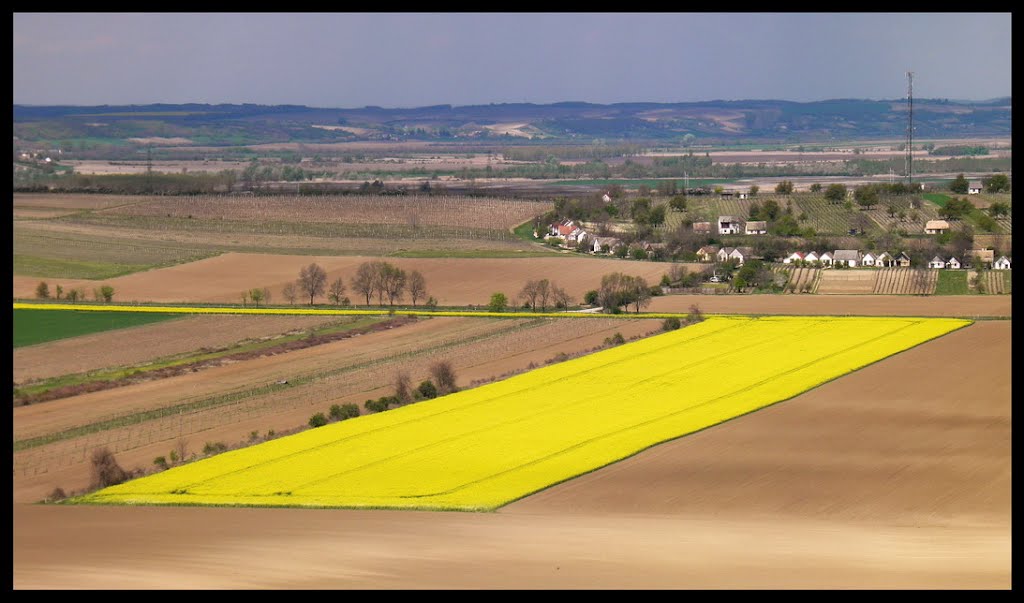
pixel 560 297
pixel 444 377
pixel 403 387
pixel 289 293
pixel 530 292
pixel 312 281
pixel 105 469
pixel 417 286
pixel 365 280
pixel 336 291
pixel 543 293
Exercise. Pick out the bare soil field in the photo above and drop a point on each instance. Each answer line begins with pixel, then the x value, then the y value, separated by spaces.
pixel 413 210
pixel 335 373
pixel 136 345
pixel 885 478
pixel 452 281
pixel 71 201
pixel 847 281
pixel 968 306
pixel 99 167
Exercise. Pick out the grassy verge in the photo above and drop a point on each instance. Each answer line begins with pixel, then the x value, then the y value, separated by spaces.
pixel 184 359
pixel 952 282
pixel 28 265
pixel 38 326
pixel 1006 280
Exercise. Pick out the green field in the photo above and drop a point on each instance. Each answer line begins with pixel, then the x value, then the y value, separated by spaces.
pixel 38 326
pixel 952 282
pixel 651 182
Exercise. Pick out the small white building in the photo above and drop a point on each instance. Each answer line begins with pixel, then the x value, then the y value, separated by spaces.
pixel 902 260
pixel 884 260
pixel 937 262
pixel 606 198
pixel 850 257
pixel 796 256
pixel 811 257
pixel 974 187
pixel 868 259
pixel 756 227
pixel 729 225
pixel 825 259
pixel 600 244
pixel 953 264
pixel 1003 263
pixel 936 226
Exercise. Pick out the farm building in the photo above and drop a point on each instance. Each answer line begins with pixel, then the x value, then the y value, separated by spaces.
pixel 937 262
pixel 796 256
pixel 740 254
pixel 974 187
pixel 811 256
pixel 936 226
pixel 980 257
pixel 606 198
pixel 1003 263
pixel 903 260
pixel 707 253
pixel 702 227
pixel 604 244
pixel 756 227
pixel 743 195
pixel 884 260
pixel 825 259
pixel 568 231
pixel 729 225
pixel 953 264
pixel 850 257
pixel 868 259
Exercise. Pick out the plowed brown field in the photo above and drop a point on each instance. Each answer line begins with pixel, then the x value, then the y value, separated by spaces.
pixel 839 305
pixel 453 281
pixel 897 476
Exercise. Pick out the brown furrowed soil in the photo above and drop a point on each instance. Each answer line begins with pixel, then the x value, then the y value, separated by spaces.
pixel 135 345
pixel 897 476
pixel 452 281
pixel 349 371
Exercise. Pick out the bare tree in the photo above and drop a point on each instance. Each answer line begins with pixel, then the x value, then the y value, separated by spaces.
pixel 266 295
pixel 417 286
pixel 444 377
pixel 336 291
pixel 529 293
pixel 640 292
pixel 105 469
pixel 365 280
pixel 289 293
pixel 393 282
pixel 312 281
pixel 403 387
pixel 561 298
pixel 543 293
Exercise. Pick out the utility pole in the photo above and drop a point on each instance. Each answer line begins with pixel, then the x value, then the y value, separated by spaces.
pixel 910 127
pixel 149 169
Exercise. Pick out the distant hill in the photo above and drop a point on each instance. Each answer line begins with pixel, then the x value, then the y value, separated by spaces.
pixel 713 121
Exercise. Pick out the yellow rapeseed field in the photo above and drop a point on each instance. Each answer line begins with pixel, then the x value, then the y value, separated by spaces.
pixel 482 448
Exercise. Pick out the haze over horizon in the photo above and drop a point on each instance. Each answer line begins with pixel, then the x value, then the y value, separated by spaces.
pixel 407 60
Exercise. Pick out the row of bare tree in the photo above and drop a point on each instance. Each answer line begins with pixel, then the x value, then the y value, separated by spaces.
pixel 380 278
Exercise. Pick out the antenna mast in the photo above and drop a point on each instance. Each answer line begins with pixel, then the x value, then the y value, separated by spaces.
pixel 910 127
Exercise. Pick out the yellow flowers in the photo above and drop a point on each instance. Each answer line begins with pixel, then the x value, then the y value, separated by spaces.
pixel 482 448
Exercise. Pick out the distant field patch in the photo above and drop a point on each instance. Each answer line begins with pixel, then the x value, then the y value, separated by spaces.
pixel 482 448
pixel 952 282
pixel 37 326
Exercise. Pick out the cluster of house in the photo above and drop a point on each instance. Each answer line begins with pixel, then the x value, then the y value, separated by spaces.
pixel 852 258
pixel 733 225
pixel 572 233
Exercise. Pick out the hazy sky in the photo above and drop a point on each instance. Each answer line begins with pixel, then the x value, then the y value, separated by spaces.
pixel 341 60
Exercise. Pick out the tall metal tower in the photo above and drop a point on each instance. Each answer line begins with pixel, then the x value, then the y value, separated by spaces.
pixel 910 127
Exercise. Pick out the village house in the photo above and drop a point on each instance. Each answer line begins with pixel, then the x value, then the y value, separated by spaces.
pixel 604 244
pixel 884 260
pixel 568 231
pixel 868 259
pixel 936 226
pixel 825 259
pixel 937 262
pixel 811 257
pixel 974 187
pixel 980 258
pixel 707 253
pixel 796 256
pixel 729 225
pixel 953 264
pixel 903 260
pixel 850 257
pixel 606 198
pixel 1003 263
pixel 756 227
pixel 702 227
pixel 740 254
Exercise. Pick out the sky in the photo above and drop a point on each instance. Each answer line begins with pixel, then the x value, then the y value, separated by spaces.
pixel 350 60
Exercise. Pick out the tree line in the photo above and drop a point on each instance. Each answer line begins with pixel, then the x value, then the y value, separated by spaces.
pixel 374 278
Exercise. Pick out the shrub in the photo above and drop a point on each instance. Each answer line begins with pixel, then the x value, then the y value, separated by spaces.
pixel 444 376
pixel 403 387
pixel 616 339
pixel 42 290
pixel 160 462
pixel 56 494
pixel 105 470
pixel 376 405
pixel 214 447
pixel 270 434
pixel 174 456
pixel 670 324
pixel 318 420
pixel 427 390
pixel 349 411
pixel 695 314
pixel 590 297
pixel 254 435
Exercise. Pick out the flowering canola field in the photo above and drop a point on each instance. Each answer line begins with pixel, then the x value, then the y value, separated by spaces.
pixel 482 448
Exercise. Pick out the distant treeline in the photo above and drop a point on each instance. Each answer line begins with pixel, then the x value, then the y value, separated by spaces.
pixel 959 149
